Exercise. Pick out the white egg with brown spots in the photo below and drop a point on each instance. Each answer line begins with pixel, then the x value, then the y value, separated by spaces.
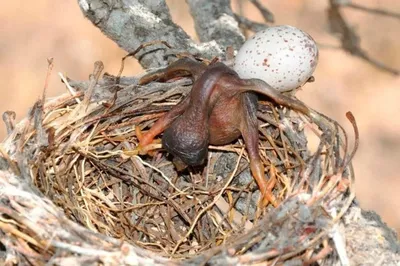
pixel 283 56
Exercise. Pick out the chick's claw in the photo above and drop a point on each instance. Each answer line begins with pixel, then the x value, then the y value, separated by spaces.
pixel 268 196
pixel 265 186
pixel 147 144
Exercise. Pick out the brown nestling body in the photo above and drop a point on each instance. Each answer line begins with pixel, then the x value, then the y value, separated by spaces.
pixel 220 108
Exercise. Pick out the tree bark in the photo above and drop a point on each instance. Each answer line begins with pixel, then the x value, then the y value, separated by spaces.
pixel 216 21
pixel 132 23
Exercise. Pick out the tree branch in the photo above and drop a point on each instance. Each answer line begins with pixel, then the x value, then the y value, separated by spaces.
pixel 250 25
pixel 375 11
pixel 350 39
pixel 214 20
pixel 267 15
pixel 131 23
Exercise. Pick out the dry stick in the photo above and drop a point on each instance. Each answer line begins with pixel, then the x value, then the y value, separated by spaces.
pixel 248 24
pixel 273 144
pixel 20 218
pixel 46 84
pixel 89 235
pixel 17 248
pixel 336 150
pixel 376 11
pixel 9 121
pixel 310 166
pixel 143 45
pixel 267 15
pixel 286 161
pixel 29 252
pixel 352 120
pixel 209 206
pixel 252 258
pixel 94 78
pixel 352 195
pixel 350 40
pixel 70 89
pixel 37 111
pixel 161 173
pixel 317 118
pixel 61 101
pixel 345 164
pixel 323 253
pixel 290 133
pixel 81 250
pixel 146 110
pixel 246 223
pixel 35 115
pixel 346 161
pixel 13 165
pixel 301 164
pixel 142 109
pixel 253 26
pixel 317 195
pixel 241 240
pixel 323 190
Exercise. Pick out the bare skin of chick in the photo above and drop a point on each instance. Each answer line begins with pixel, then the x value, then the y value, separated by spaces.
pixel 220 108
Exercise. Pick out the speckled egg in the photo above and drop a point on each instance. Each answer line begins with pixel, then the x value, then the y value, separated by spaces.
pixel 283 56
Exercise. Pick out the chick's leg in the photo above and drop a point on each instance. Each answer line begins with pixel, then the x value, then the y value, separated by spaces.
pixel 261 87
pixel 147 138
pixel 249 130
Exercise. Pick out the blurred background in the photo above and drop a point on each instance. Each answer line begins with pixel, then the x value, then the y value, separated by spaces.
pixel 32 31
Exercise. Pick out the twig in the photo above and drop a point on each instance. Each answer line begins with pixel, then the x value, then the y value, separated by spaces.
pixel 209 206
pixel 340 245
pixel 350 40
pixel 376 11
pixel 9 121
pixel 98 68
pixel 70 89
pixel 267 15
pixel 137 50
pixel 250 25
pixel 50 65
pixel 161 173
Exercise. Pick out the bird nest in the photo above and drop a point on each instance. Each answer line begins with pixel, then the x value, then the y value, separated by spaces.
pixel 71 190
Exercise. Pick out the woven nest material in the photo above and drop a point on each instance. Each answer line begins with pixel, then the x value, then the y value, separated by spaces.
pixel 72 192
